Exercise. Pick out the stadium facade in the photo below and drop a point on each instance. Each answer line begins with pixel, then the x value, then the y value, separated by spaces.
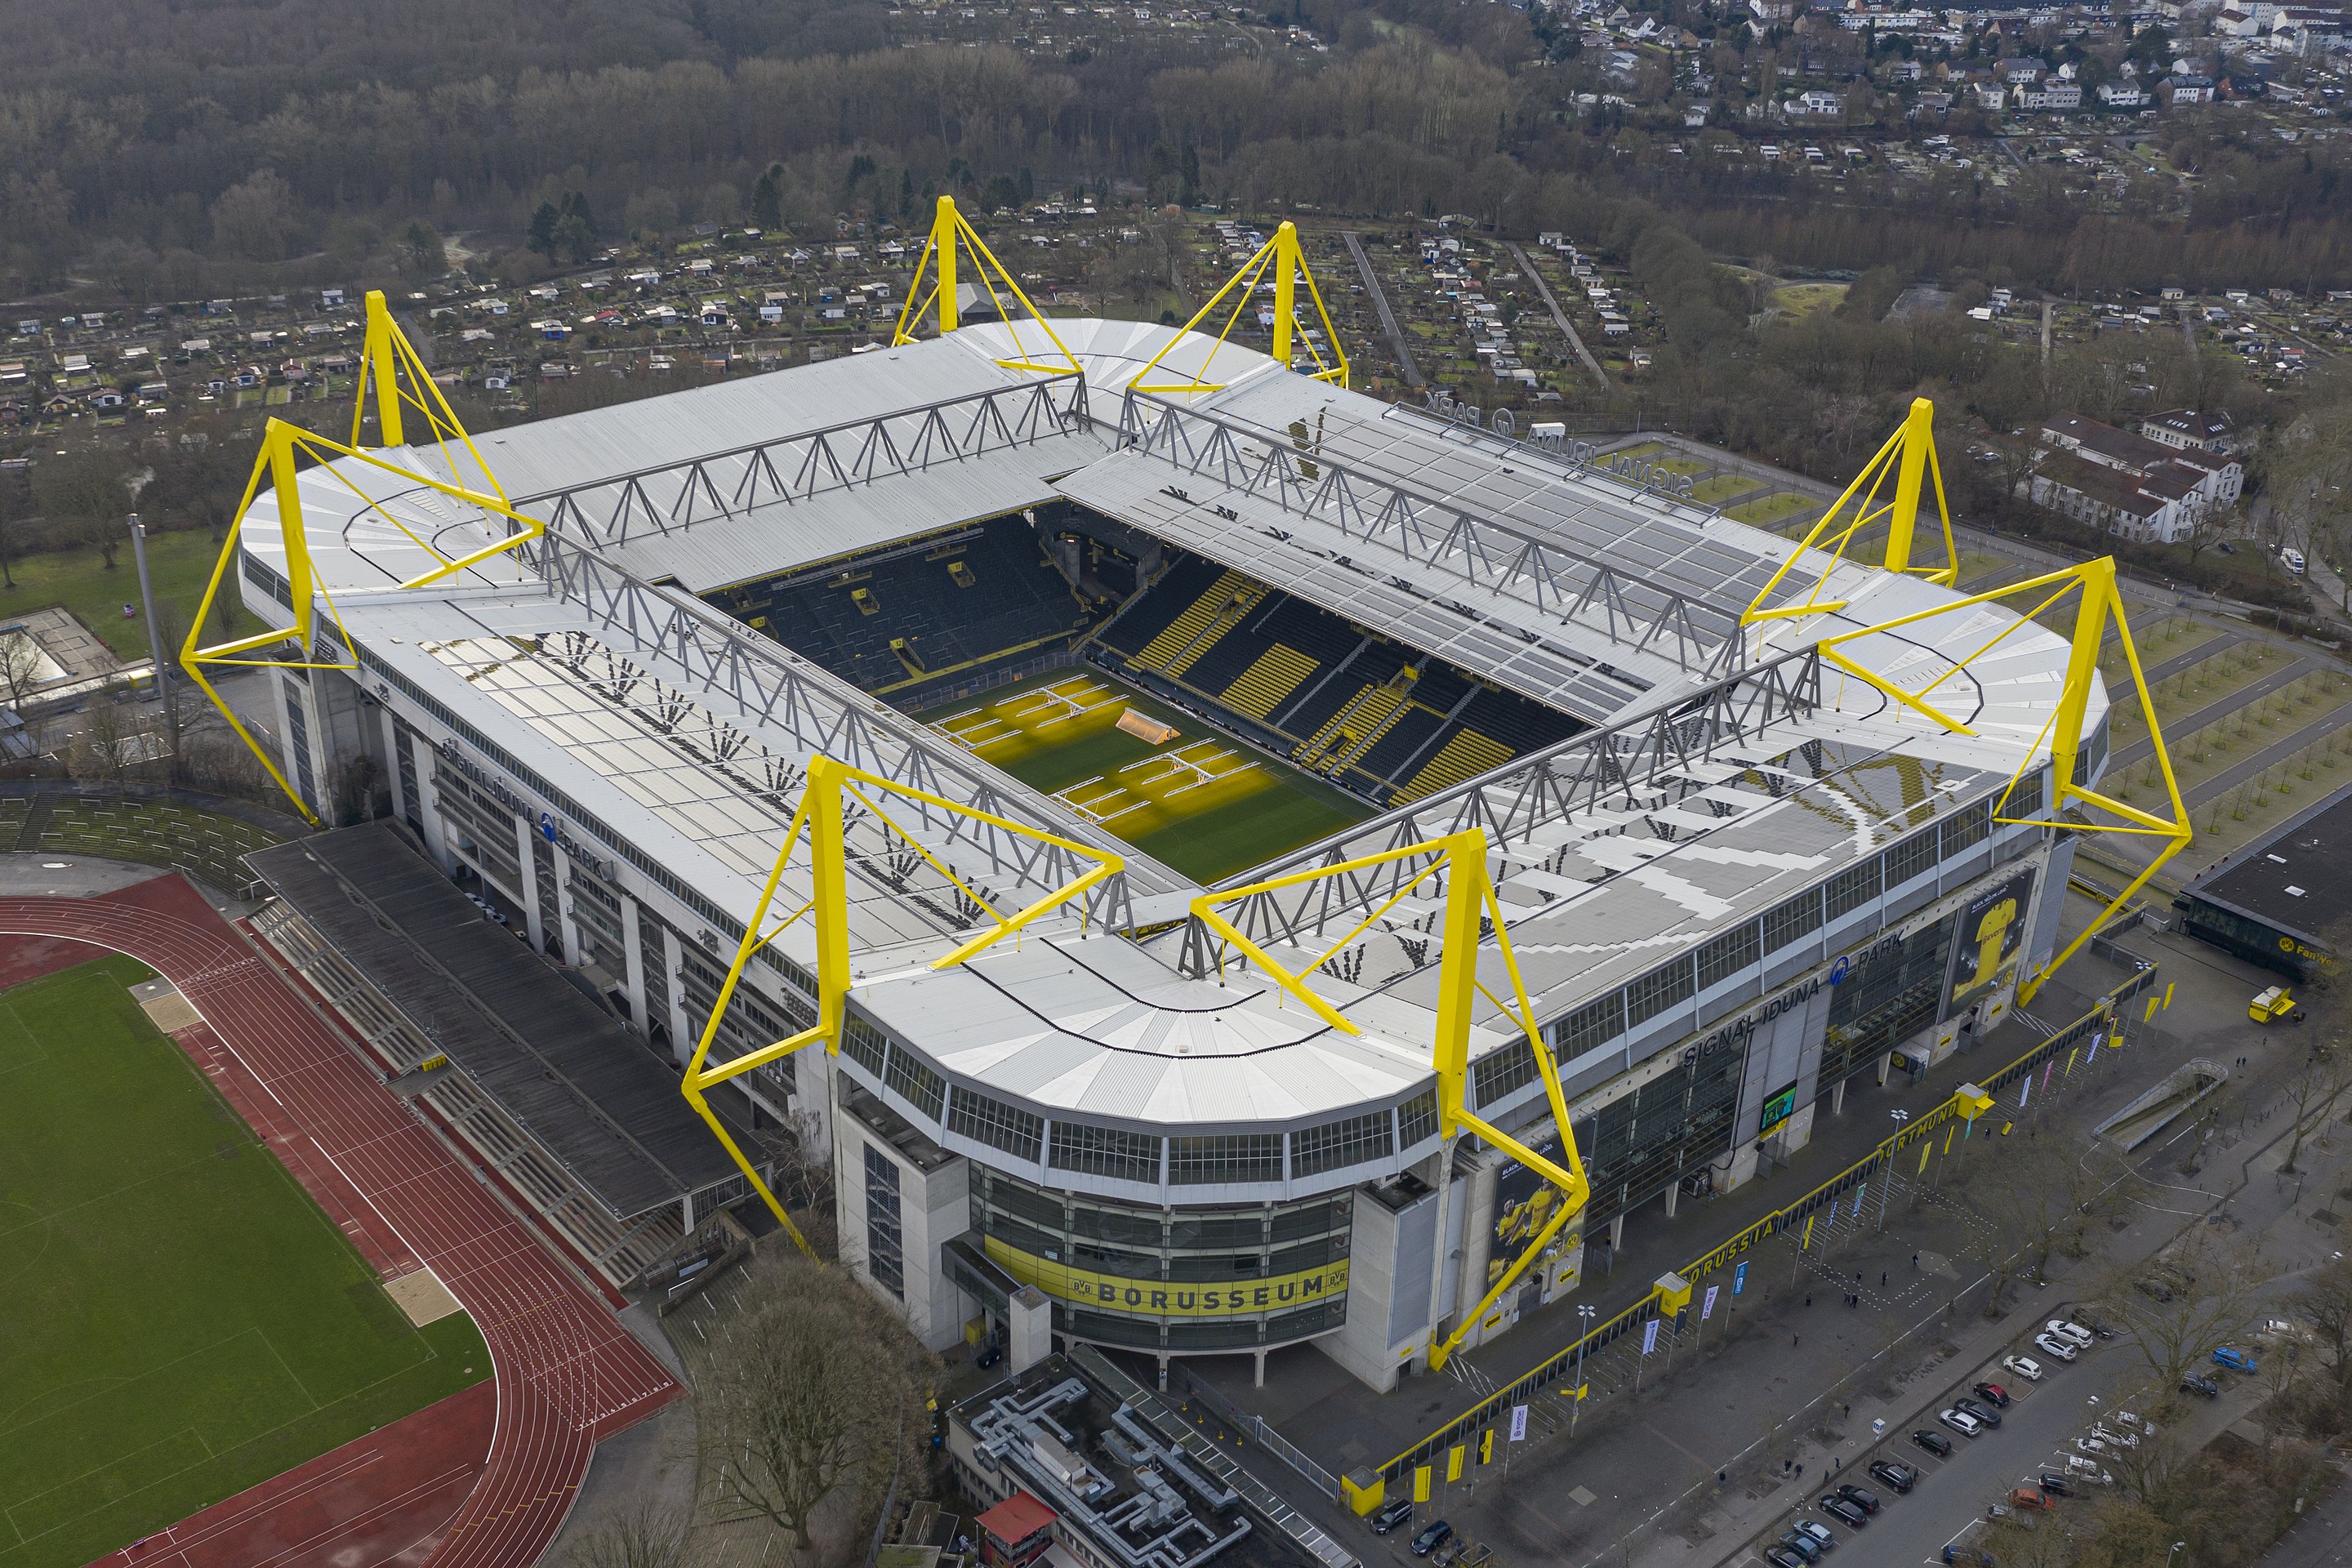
pixel 1734 874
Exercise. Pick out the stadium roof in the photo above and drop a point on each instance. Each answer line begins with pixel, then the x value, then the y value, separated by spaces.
pixel 679 738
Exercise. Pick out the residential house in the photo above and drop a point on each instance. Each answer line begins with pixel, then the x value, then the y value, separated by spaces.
pixel 2128 485
pixel 2184 428
pixel 2186 88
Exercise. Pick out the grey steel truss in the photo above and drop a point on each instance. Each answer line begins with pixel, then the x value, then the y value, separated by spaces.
pixel 673 496
pixel 1642 764
pixel 821 713
pixel 1591 593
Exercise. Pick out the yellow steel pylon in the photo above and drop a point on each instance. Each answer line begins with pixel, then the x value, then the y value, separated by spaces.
pixel 1283 257
pixel 389 367
pixel 1461 860
pixel 2099 605
pixel 820 816
pixel 1908 458
pixel 939 262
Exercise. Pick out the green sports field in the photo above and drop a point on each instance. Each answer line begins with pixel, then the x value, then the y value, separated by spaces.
pixel 178 1320
pixel 1199 802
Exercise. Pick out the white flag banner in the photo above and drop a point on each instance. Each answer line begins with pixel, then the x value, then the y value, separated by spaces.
pixel 1518 1423
pixel 1649 1336
pixel 1706 1308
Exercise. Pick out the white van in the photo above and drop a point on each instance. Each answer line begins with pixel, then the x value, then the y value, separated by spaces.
pixel 2291 559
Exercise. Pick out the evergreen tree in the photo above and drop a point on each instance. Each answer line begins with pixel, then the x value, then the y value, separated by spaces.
pixel 541 236
pixel 768 198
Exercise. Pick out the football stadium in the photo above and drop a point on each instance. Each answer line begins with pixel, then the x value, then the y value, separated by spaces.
pixel 1176 840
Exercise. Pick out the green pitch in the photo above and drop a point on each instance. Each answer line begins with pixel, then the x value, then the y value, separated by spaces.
pixel 178 1320
pixel 1199 801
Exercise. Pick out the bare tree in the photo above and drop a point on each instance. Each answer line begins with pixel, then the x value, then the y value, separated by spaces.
pixel 2207 1298
pixel 2041 1194
pixel 649 1535
pixel 82 491
pixel 2325 1302
pixel 21 661
pixel 814 1397
pixel 2313 1094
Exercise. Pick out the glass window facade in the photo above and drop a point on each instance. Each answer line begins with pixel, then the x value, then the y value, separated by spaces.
pixel 1727 955
pixel 1663 988
pixel 1108 1151
pixel 1791 923
pixel 1640 1141
pixel 1336 1145
pixel 886 1242
pixel 1225 1157
pixel 1502 1072
pixel 1885 1001
pixel 1183 1279
pixel 1853 888
pixel 984 1119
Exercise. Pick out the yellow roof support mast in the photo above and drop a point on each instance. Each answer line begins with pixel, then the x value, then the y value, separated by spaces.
pixel 1278 265
pixel 389 368
pixel 951 239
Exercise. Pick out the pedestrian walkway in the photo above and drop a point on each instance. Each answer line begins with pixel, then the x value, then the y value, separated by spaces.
pixel 1346 1425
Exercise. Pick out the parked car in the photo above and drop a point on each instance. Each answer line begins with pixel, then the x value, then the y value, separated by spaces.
pixel 1960 1421
pixel 1814 1531
pixel 1994 1393
pixel 2025 1366
pixel 2030 1497
pixel 2054 1348
pixel 2113 1439
pixel 1935 1443
pixel 1429 1540
pixel 2092 1445
pixel 1390 1515
pixel 2073 1333
pixel 1783 1557
pixel 1861 1498
pixel 1804 1546
pixel 1984 1413
pixel 2236 1361
pixel 1837 1508
pixel 2088 1471
pixel 1895 1473
pixel 2193 1383
pixel 2056 1485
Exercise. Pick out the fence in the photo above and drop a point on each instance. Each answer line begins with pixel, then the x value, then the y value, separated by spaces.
pixel 2108 1010
pixel 1272 1441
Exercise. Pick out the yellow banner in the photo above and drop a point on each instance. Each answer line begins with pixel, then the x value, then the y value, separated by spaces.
pixel 1453 1463
pixel 1421 1483
pixel 1172 1299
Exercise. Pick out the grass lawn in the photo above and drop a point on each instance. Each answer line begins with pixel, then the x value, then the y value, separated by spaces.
pixel 182 1321
pixel 1801 299
pixel 180 563
pixel 1765 511
pixel 1709 491
pixel 1220 825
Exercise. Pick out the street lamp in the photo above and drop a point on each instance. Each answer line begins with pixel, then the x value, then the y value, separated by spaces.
pixel 2168 1556
pixel 1584 1316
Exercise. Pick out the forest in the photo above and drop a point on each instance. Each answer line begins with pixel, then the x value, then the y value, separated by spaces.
pixel 154 149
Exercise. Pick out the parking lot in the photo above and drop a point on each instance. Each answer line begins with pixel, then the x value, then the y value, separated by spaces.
pixel 1948 1505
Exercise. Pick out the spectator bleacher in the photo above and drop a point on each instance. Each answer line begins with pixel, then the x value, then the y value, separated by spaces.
pixel 923 612
pixel 1373 716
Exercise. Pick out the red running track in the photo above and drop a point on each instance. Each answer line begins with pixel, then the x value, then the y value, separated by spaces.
pixel 568 1373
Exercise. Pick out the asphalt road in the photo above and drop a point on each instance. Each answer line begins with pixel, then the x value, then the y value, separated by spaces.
pixel 1948 1505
